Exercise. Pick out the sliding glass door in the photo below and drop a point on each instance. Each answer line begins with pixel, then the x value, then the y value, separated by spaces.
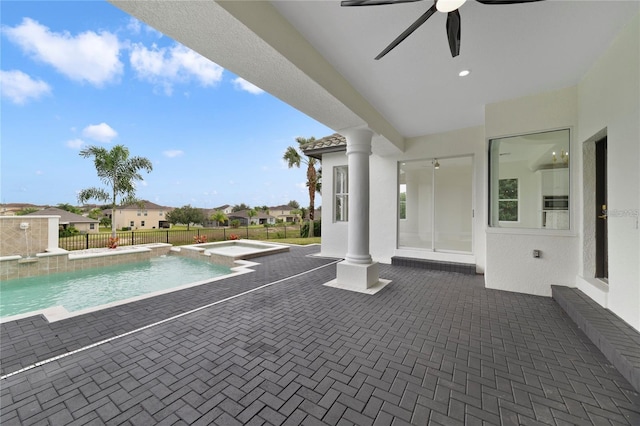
pixel 435 204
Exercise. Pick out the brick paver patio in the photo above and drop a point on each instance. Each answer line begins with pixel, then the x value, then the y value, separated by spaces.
pixel 431 348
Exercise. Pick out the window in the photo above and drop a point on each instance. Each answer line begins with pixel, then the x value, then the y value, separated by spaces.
pixel 161 213
pixel 142 223
pixel 145 212
pixel 508 200
pixel 341 193
pixel 92 226
pixel 139 212
pixel 131 224
pixel 527 175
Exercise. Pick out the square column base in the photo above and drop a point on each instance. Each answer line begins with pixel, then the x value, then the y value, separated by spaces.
pixel 363 278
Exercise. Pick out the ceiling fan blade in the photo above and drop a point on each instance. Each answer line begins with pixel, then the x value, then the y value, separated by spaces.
pixel 373 2
pixel 453 32
pixel 421 20
pixel 506 1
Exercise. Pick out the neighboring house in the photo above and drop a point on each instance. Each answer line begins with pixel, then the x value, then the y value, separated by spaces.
pixel 457 170
pixel 260 218
pixel 10 209
pixel 226 209
pixel 67 219
pixel 284 213
pixel 142 215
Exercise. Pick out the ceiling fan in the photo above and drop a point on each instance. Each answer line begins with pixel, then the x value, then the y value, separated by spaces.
pixel 450 7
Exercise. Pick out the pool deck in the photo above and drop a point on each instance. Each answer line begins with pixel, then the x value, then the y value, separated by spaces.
pixel 432 347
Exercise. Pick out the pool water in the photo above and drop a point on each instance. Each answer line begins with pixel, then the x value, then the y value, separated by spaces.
pixel 94 287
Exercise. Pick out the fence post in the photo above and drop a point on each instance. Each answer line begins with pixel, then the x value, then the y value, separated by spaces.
pixel 267 232
pixel 132 238
pixel 167 237
pixel 285 231
pixel 87 239
pixel 224 234
pixel 247 232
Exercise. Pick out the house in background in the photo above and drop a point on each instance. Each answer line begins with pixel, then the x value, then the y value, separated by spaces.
pixel 10 209
pixel 141 215
pixel 261 218
pixel 226 209
pixel 68 219
pixel 284 213
pixel 456 168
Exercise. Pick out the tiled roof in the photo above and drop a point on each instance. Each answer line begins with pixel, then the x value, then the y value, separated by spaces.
pixel 65 216
pixel 334 143
pixel 144 204
pixel 243 214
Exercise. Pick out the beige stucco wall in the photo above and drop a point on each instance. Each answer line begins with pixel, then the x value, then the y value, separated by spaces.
pixel 36 239
pixel 123 218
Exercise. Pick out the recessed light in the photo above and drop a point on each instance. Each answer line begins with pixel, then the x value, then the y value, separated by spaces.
pixel 464 73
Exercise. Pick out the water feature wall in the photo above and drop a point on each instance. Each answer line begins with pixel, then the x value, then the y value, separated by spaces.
pixel 40 236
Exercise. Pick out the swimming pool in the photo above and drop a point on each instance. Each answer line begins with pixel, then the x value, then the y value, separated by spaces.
pixel 90 288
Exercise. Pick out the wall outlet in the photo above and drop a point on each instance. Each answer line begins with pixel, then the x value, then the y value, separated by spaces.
pixel 536 253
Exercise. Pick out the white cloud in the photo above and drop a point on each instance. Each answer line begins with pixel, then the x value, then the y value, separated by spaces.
pixel 134 26
pixel 172 153
pixel 242 84
pixel 165 67
pixel 19 87
pixel 75 143
pixel 301 185
pixel 100 132
pixel 87 57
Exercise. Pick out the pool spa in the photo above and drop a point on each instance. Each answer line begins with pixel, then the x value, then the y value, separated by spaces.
pixel 228 252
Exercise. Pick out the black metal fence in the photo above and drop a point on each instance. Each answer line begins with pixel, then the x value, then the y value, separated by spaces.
pixel 127 238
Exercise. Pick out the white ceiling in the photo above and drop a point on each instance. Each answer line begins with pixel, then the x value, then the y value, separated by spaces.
pixel 318 56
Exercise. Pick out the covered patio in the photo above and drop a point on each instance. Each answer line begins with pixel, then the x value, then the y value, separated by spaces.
pixel 432 347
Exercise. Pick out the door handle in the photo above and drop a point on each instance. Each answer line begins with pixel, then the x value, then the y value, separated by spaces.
pixel 604 209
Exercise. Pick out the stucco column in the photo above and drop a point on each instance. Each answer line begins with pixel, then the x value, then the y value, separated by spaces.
pixel 358 152
pixel 357 272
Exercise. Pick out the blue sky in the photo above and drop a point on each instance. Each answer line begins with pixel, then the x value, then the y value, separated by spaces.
pixel 82 73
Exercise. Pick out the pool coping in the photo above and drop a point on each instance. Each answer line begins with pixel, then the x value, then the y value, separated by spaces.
pixel 58 313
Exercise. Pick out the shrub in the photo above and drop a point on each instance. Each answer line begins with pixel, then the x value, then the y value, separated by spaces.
pixel 113 242
pixel 67 232
pixel 199 239
pixel 317 229
pixel 235 223
pixel 126 228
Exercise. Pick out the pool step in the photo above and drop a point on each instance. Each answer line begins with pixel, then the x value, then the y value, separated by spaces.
pixel 435 265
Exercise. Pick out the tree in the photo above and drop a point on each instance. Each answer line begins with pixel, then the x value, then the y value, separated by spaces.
pixel 293 203
pixel 95 213
pixel 218 217
pixel 27 210
pixel 185 215
pixel 119 172
pixel 239 207
pixel 250 214
pixel 294 157
pixel 68 207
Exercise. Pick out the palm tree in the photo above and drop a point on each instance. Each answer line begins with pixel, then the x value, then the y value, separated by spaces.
pixel 294 157
pixel 119 172
pixel 218 217
pixel 251 213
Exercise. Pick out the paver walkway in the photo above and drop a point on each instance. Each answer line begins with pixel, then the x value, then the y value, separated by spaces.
pixel 431 348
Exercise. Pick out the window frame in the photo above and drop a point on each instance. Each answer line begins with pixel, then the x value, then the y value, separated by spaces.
pixel 341 214
pixel 493 155
pixel 517 200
